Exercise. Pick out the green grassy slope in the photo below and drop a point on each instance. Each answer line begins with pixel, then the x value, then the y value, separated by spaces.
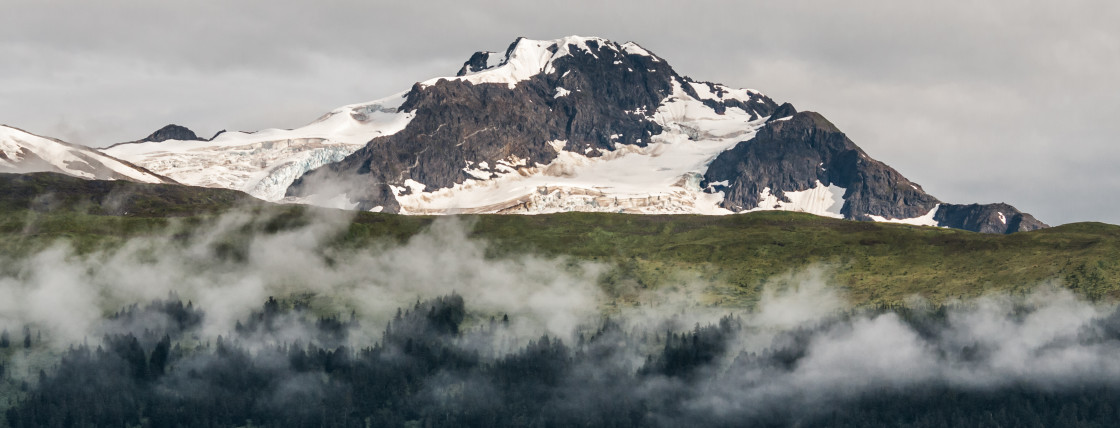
pixel 877 264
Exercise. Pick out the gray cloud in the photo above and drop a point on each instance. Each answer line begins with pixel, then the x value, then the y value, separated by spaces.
pixel 1000 101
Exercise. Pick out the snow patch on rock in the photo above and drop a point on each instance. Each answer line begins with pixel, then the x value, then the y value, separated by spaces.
pixel 633 49
pixel 923 220
pixel 820 200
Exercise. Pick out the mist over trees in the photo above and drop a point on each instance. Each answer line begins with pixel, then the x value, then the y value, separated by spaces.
pixel 436 331
pixel 286 366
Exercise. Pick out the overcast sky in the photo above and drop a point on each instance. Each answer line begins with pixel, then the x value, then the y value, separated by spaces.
pixel 1012 101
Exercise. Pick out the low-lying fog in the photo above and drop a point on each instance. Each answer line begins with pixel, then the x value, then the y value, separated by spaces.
pixel 802 347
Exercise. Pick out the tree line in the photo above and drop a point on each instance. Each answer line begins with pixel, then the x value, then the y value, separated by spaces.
pixel 427 369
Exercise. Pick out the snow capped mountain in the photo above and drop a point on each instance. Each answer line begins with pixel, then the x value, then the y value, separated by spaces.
pixel 586 124
pixel 23 152
pixel 573 124
pixel 265 163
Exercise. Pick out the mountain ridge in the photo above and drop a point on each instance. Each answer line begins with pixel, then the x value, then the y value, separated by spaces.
pixel 572 124
pixel 22 151
pixel 168 132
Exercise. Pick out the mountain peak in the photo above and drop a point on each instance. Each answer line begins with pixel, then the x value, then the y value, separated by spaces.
pixel 481 61
pixel 801 120
pixel 785 110
pixel 525 58
pixel 172 132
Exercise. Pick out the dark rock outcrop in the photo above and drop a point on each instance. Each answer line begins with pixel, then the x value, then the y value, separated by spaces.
pixel 169 132
pixel 986 218
pixel 783 111
pixel 793 154
pixel 720 106
pixel 172 132
pixel 477 63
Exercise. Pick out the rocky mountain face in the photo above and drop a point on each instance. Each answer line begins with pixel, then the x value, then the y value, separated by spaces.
pixel 586 96
pixel 797 152
pixel 986 218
